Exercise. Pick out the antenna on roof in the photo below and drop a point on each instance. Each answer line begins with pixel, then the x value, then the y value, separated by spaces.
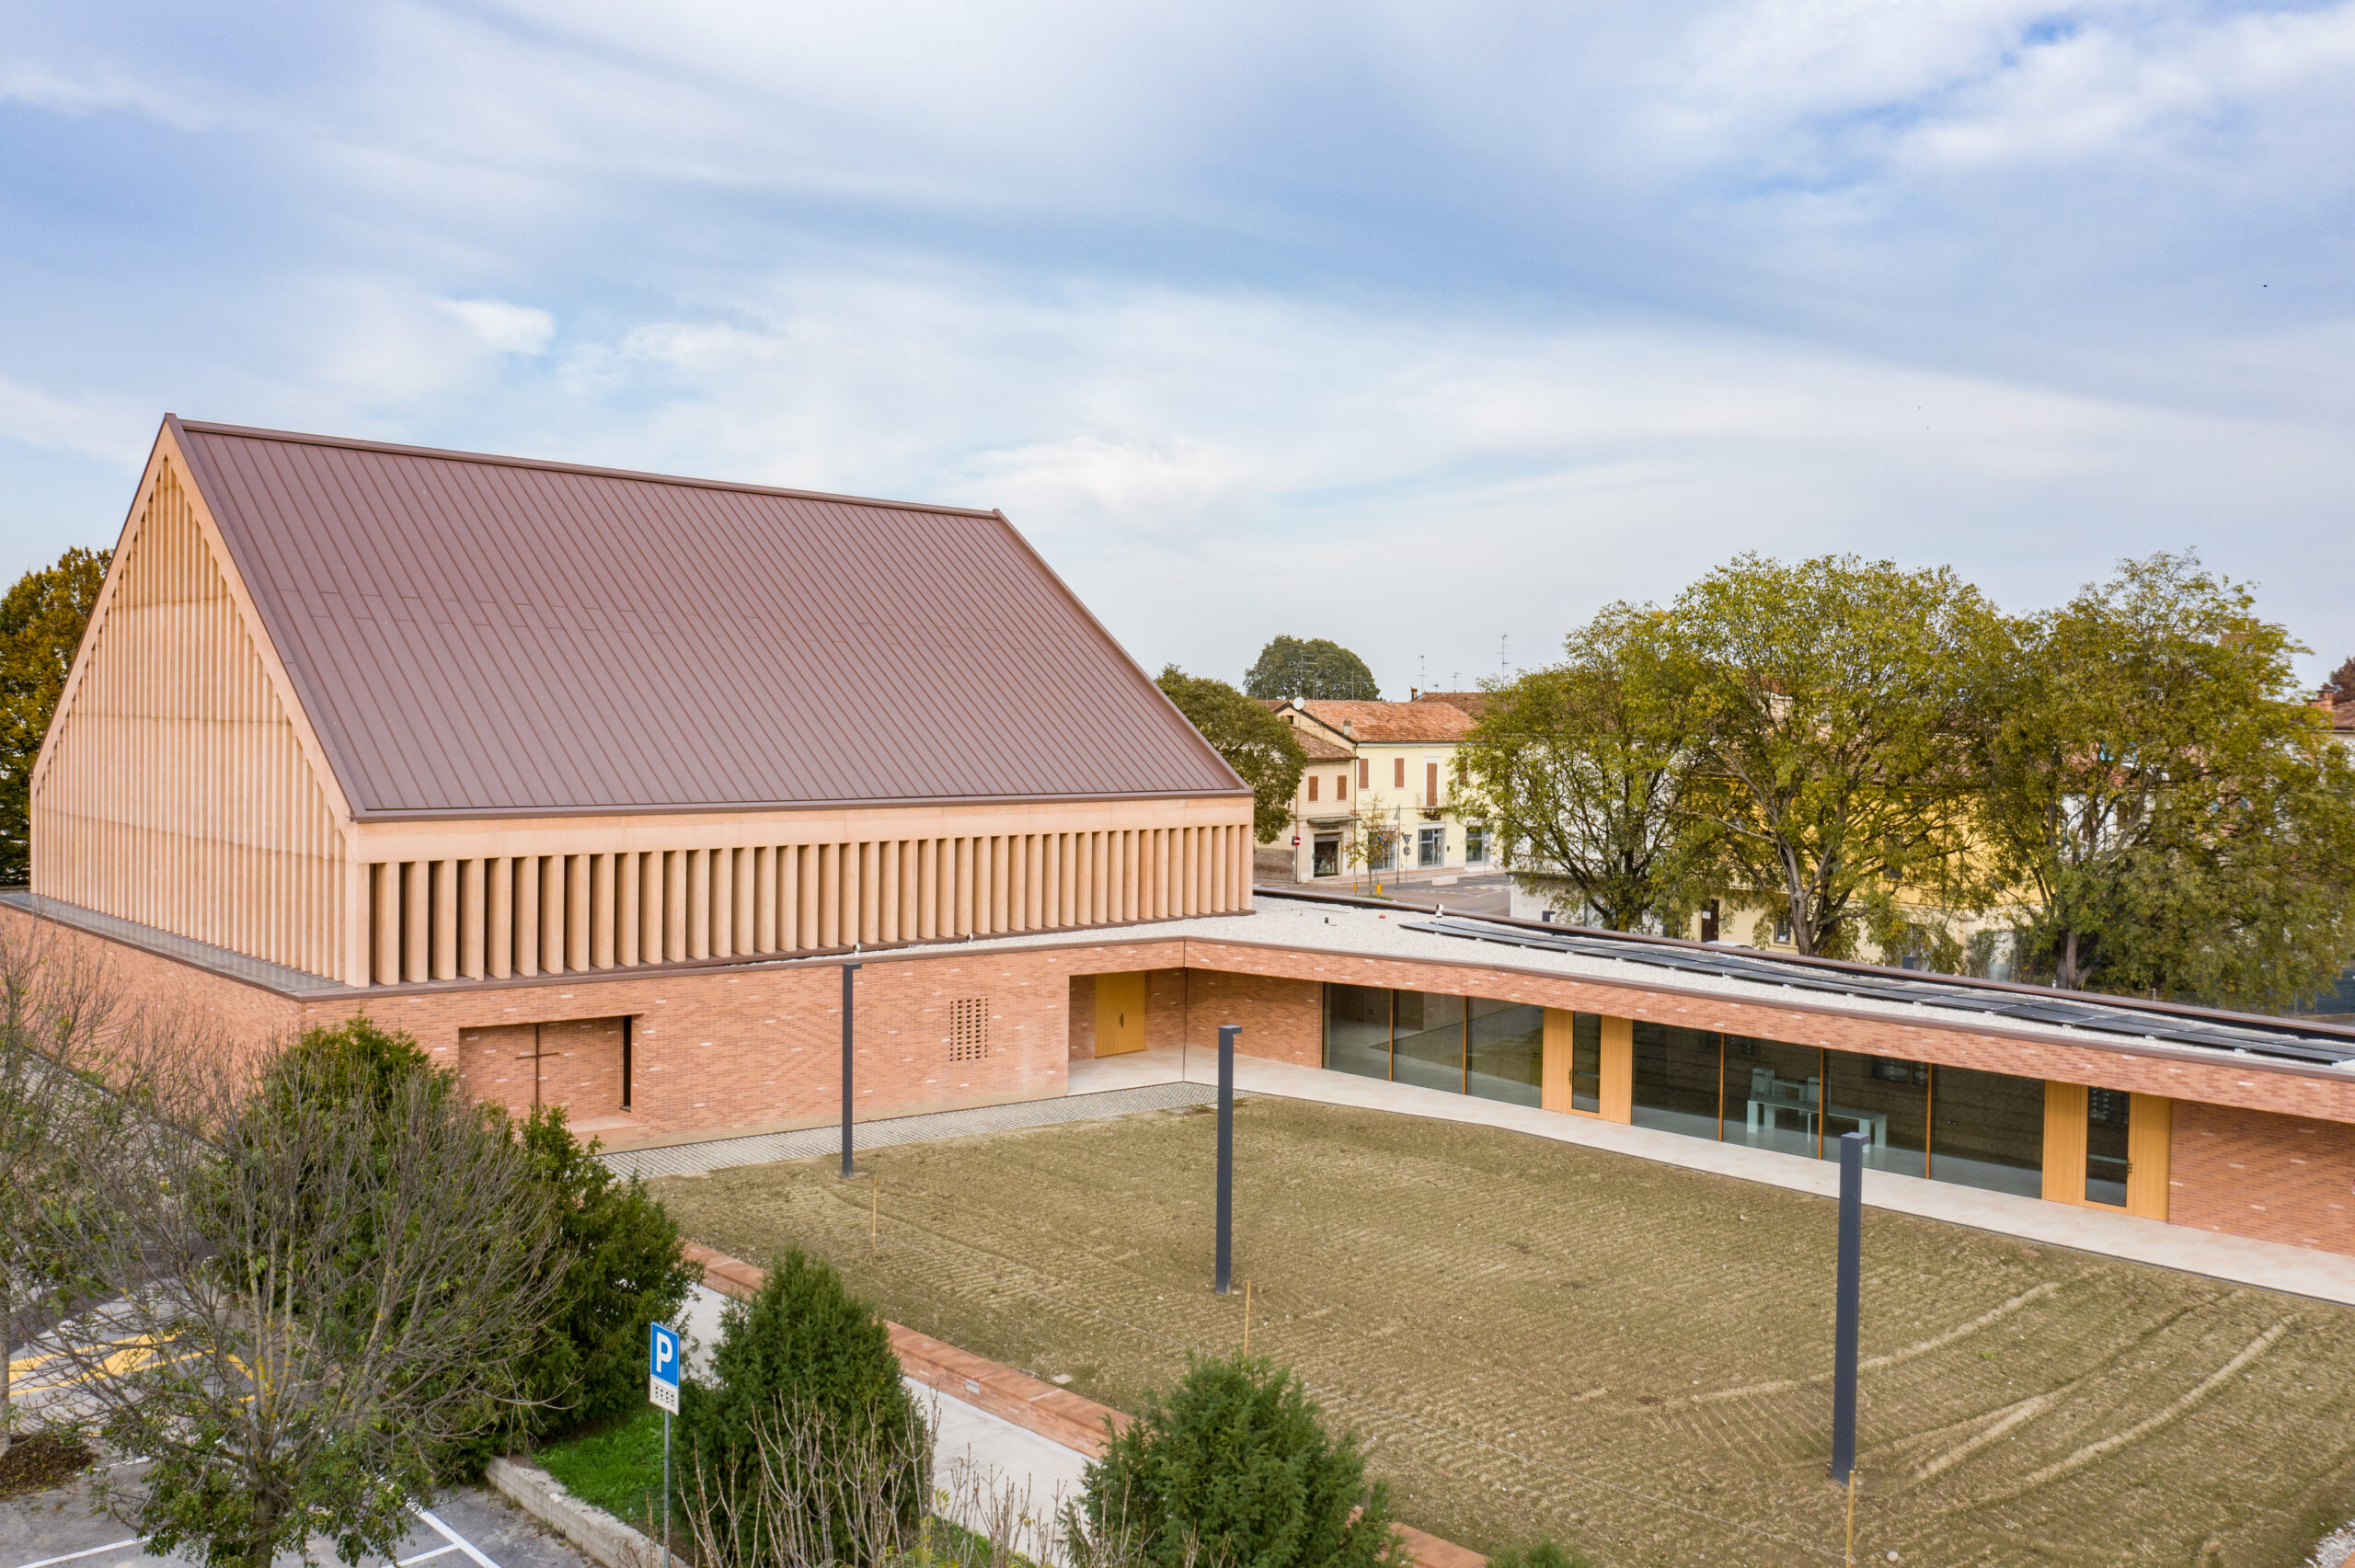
pixel 1502 638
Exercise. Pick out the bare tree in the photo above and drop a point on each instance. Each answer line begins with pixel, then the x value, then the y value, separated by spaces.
pixel 308 1303
pixel 813 1490
pixel 63 1039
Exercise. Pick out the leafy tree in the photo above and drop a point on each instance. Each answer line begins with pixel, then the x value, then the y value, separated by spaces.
pixel 309 1309
pixel 613 1254
pixel 1255 743
pixel 2166 801
pixel 1317 668
pixel 1234 1466
pixel 804 1355
pixel 41 620
pixel 1583 771
pixel 1837 698
pixel 618 1249
pixel 2341 684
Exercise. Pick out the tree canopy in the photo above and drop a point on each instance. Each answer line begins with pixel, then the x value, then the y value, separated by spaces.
pixel 1315 669
pixel 1583 769
pixel 2131 786
pixel 1254 742
pixel 2166 799
pixel 41 620
pixel 1837 762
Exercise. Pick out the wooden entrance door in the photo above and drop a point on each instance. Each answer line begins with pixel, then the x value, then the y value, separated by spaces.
pixel 1120 1014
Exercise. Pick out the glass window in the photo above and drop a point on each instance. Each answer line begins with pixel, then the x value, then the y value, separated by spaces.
pixel 2107 1111
pixel 1885 1098
pixel 1586 1060
pixel 1987 1130
pixel 1431 846
pixel 1476 845
pixel 1429 1040
pixel 1508 1051
pixel 1357 1030
pixel 1774 1095
pixel 1676 1079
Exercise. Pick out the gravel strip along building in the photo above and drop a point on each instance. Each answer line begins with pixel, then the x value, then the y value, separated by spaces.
pixel 590 781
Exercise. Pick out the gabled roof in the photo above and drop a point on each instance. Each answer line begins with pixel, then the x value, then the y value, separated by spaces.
pixel 1473 703
pixel 1319 748
pixel 492 635
pixel 1390 724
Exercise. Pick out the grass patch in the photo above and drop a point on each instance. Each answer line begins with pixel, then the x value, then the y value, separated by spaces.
pixel 617 1468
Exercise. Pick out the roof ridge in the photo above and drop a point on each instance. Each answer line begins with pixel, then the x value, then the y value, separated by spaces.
pixel 501 460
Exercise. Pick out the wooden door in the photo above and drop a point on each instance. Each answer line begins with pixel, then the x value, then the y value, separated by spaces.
pixel 1120 1014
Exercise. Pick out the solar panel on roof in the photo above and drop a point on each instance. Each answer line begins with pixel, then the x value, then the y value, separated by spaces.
pixel 2283 1039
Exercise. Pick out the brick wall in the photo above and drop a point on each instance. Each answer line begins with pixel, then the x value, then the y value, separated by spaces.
pixel 1282 1019
pixel 2254 1173
pixel 1083 1017
pixel 738 1049
pixel 243 1016
pixel 575 1064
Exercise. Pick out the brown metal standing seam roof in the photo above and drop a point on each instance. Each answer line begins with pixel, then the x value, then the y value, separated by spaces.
pixel 492 636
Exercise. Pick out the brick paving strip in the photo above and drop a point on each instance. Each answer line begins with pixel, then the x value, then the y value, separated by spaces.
pixel 1017 1398
pixel 762 1149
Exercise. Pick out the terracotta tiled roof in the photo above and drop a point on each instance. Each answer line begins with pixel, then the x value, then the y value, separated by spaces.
pixel 1472 703
pixel 1391 724
pixel 1318 748
pixel 495 635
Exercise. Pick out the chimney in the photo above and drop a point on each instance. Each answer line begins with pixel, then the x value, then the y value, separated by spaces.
pixel 1413 693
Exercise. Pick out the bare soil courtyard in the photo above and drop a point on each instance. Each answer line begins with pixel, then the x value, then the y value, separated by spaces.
pixel 1538 1339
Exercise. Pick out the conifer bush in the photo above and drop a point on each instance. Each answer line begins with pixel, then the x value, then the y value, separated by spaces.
pixel 1233 1467
pixel 804 1414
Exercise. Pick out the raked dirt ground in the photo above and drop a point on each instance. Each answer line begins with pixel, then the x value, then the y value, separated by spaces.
pixel 1537 1339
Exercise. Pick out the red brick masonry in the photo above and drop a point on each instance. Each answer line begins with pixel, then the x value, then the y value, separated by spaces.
pixel 1056 1414
pixel 2260 1148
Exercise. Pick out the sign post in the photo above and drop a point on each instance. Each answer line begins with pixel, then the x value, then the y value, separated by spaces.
pixel 662 1392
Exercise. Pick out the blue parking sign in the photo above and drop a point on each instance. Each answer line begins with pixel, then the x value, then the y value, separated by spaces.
pixel 662 1370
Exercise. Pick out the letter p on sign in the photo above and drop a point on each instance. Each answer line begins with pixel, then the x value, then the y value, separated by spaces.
pixel 662 1370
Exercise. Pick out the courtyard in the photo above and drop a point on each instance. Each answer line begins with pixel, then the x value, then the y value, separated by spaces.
pixel 1537 1339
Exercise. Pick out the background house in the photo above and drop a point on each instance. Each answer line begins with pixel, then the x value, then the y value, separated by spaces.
pixel 1392 763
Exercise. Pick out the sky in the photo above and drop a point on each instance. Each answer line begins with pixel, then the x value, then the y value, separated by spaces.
pixel 1429 328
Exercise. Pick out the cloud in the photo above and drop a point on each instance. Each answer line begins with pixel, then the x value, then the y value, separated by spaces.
pixel 510 328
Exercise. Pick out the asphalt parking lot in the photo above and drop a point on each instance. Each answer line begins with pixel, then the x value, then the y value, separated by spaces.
pixel 68 1527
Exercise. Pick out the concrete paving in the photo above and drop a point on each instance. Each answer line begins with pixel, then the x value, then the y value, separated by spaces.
pixel 1161 1094
pixel 2270 1264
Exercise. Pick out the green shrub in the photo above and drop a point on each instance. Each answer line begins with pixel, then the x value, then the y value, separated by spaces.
pixel 1234 1467
pixel 1539 1554
pixel 804 1392
pixel 616 1248
pixel 619 1251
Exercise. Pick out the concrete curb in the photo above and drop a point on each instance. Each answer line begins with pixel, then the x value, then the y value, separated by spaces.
pixel 603 1539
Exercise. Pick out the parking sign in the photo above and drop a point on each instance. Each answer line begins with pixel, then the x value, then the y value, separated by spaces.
pixel 662 1370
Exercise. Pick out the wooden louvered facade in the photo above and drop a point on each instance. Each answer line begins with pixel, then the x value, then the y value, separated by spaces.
pixel 178 788
pixel 185 786
pixel 874 879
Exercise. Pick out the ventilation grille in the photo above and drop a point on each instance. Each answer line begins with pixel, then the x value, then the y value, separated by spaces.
pixel 969 1029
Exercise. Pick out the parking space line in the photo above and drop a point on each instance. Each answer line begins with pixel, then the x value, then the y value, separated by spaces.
pixel 91 1551
pixel 426 1556
pixel 454 1538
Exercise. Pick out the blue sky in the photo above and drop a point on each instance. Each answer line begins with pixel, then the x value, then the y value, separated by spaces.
pixel 1418 326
